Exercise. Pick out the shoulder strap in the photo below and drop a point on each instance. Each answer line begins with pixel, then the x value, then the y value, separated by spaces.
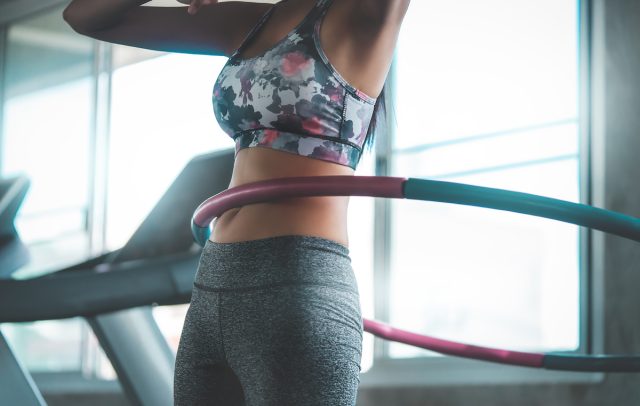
pixel 307 23
pixel 314 15
pixel 254 30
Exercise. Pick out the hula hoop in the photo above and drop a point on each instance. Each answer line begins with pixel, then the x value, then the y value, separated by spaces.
pixel 447 192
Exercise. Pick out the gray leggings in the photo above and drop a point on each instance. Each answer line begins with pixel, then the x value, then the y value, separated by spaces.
pixel 274 321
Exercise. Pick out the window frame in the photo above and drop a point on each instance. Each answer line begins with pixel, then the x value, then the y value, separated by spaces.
pixel 438 371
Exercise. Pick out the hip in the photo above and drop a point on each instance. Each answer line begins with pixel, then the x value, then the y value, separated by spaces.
pixel 276 261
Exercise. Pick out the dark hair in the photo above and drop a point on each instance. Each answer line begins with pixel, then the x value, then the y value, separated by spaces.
pixel 379 110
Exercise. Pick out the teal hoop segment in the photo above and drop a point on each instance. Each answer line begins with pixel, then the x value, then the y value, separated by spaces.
pixel 525 203
pixel 445 192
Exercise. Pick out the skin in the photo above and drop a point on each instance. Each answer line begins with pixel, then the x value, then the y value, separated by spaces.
pixel 358 37
pixel 360 46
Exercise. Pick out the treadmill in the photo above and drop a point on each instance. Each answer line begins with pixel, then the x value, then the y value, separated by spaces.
pixel 113 291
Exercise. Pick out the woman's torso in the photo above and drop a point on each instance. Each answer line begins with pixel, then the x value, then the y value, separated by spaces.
pixel 324 217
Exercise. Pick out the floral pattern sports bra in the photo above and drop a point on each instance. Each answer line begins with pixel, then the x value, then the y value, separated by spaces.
pixel 290 98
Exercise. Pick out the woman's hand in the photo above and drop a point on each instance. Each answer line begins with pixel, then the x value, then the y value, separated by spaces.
pixel 195 5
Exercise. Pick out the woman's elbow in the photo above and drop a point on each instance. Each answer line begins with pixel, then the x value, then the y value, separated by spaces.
pixel 81 21
pixel 70 16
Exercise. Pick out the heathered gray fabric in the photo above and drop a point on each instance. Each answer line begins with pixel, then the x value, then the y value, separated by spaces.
pixel 274 321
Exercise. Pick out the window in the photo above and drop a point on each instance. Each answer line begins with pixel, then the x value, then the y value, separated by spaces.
pixel 161 117
pixel 486 95
pixel 46 135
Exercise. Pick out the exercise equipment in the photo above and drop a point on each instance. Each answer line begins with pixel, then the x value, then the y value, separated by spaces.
pixel 114 291
pixel 13 253
pixel 20 387
pixel 445 192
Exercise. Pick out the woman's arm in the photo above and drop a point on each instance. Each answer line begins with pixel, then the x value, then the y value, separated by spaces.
pixel 92 15
pixel 216 29
pixel 383 11
pixel 369 35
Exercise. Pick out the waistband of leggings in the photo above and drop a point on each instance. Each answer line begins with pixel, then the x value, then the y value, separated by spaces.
pixel 275 261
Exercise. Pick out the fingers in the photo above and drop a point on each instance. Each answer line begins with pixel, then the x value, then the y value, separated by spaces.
pixel 195 5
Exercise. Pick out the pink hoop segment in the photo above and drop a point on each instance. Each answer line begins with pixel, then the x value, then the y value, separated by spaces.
pixel 387 332
pixel 445 192
pixel 272 190
pixel 389 187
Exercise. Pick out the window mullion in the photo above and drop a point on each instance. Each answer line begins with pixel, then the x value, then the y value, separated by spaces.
pixel 382 213
pixel 3 62
pixel 99 148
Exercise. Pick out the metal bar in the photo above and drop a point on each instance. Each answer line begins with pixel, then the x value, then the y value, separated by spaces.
pixel 99 147
pixel 16 385
pixel 585 267
pixel 3 70
pixel 598 165
pixel 479 137
pixel 505 167
pixel 99 288
pixel 139 354
pixel 382 213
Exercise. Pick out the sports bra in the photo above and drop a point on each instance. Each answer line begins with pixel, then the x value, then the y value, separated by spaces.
pixel 290 98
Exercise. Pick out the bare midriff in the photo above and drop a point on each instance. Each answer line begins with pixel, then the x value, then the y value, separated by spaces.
pixel 324 216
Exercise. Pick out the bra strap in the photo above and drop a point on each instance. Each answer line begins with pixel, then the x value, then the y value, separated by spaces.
pixel 318 10
pixel 309 21
pixel 254 30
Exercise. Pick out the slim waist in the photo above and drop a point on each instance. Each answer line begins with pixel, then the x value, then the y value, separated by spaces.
pixel 306 216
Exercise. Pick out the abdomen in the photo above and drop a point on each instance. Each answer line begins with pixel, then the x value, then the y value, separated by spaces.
pixel 324 216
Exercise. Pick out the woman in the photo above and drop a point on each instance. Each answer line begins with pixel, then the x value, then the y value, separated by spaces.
pixel 275 316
